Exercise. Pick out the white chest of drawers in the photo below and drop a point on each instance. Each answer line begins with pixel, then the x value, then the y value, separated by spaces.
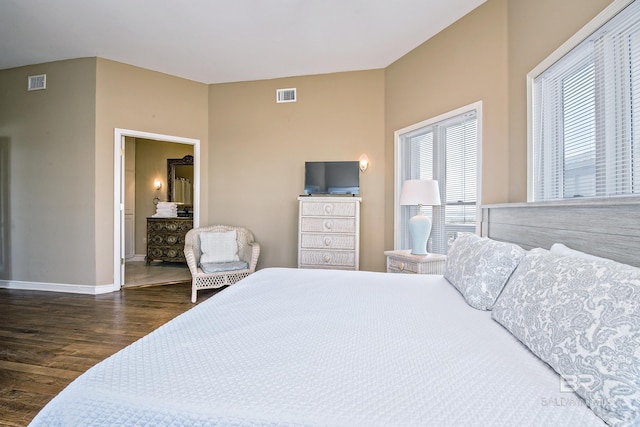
pixel 329 232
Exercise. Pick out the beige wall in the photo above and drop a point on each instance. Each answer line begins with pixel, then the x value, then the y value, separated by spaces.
pixel 47 139
pixel 133 98
pixel 151 163
pixel 484 56
pixel 465 63
pixel 57 221
pixel 536 29
pixel 60 147
pixel 258 149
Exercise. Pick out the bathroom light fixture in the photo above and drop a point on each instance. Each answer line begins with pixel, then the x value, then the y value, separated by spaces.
pixel 364 162
pixel 157 184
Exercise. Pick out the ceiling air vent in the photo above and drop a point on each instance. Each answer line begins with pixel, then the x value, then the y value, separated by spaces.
pixel 286 95
pixel 38 82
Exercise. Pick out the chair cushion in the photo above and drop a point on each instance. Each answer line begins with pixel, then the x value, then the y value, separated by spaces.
pixel 217 267
pixel 218 246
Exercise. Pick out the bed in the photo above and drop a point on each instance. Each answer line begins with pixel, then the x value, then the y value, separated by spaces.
pixel 326 347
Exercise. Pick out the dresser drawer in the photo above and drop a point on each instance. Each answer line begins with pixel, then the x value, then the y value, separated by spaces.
pixel 310 258
pixel 311 208
pixel 402 261
pixel 401 266
pixel 166 239
pixel 166 253
pixel 162 225
pixel 328 241
pixel 328 225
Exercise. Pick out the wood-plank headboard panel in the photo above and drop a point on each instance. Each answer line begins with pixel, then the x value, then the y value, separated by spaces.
pixel 608 228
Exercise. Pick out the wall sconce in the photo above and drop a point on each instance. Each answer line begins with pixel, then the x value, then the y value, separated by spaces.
pixel 364 162
pixel 157 184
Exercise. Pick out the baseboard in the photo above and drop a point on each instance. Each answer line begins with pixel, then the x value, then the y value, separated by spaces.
pixel 136 258
pixel 57 287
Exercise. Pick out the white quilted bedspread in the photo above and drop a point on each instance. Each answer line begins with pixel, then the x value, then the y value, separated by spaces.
pixel 321 347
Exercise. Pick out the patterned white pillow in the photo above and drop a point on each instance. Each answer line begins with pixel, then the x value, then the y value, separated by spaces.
pixel 480 267
pixel 218 246
pixel 563 250
pixel 582 317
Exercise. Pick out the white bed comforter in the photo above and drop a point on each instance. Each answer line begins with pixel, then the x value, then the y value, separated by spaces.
pixel 322 347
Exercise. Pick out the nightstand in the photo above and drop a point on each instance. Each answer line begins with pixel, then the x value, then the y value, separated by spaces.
pixel 404 262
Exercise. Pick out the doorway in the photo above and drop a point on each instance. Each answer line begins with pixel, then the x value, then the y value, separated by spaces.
pixel 120 191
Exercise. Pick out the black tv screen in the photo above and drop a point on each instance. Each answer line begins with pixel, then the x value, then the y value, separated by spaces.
pixel 332 177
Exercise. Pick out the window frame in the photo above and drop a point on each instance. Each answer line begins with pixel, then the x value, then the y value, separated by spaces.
pixel 609 12
pixel 398 163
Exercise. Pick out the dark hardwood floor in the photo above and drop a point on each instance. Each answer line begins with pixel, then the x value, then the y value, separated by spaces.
pixel 47 339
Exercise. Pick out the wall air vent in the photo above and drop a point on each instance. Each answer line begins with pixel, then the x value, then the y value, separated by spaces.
pixel 38 82
pixel 286 95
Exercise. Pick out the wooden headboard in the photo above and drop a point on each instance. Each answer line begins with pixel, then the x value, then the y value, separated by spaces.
pixel 608 228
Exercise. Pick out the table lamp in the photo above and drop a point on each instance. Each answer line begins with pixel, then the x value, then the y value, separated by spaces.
pixel 420 192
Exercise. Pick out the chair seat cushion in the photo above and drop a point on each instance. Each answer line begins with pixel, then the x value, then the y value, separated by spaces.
pixel 217 267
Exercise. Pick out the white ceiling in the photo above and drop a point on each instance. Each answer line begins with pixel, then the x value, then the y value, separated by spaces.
pixel 216 41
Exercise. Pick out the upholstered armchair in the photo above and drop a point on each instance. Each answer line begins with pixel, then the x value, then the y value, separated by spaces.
pixel 219 255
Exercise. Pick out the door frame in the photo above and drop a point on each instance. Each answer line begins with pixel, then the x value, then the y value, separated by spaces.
pixel 118 192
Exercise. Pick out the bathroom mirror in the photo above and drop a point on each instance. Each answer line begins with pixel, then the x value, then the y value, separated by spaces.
pixel 180 180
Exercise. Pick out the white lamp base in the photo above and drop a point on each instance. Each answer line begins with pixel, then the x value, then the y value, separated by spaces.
pixel 419 230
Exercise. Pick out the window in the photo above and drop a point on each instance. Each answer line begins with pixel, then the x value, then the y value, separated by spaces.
pixel 446 149
pixel 585 116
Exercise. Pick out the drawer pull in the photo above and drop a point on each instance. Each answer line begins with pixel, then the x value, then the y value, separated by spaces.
pixel 328 209
pixel 328 225
pixel 327 241
pixel 326 258
pixel 401 266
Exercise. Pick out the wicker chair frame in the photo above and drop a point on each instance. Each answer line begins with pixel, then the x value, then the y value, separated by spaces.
pixel 248 251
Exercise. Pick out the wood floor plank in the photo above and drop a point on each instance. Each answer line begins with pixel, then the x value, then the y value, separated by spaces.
pixel 35 369
pixel 48 339
pixel 30 381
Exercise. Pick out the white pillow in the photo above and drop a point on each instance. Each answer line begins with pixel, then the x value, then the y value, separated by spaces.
pixel 479 268
pixel 582 317
pixel 562 250
pixel 218 246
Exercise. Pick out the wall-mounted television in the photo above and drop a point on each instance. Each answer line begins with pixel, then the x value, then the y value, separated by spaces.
pixel 332 178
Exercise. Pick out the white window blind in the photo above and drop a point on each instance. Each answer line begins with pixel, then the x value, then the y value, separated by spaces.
pixel 447 151
pixel 586 116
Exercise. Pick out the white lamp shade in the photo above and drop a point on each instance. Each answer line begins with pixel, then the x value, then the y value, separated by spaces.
pixel 420 192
